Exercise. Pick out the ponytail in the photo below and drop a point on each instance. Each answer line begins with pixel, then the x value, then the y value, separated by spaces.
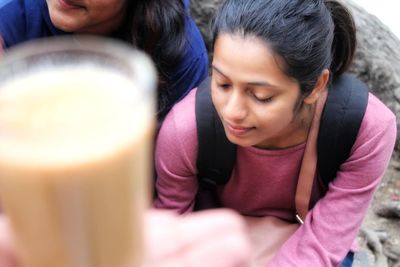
pixel 344 40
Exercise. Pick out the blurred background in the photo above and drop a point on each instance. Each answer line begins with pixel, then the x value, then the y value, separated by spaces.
pixel 386 10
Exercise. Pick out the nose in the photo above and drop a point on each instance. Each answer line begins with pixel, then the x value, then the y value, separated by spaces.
pixel 235 108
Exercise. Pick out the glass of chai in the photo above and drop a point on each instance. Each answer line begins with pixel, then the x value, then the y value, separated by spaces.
pixel 77 117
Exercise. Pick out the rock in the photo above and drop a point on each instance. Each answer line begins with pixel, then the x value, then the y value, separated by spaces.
pixel 377 59
pixel 363 258
pixel 374 243
pixel 389 210
pixel 393 253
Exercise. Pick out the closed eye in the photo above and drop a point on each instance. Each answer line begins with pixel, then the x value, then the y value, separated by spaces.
pixel 263 100
pixel 224 86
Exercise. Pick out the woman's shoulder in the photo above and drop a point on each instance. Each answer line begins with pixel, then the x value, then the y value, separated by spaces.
pixel 180 122
pixel 12 21
pixel 177 138
pixel 24 20
pixel 378 124
pixel 15 18
pixel 377 113
pixel 195 46
pixel 372 149
pixel 193 65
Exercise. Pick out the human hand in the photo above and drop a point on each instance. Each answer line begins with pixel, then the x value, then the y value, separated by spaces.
pixel 7 250
pixel 209 238
pixel 267 235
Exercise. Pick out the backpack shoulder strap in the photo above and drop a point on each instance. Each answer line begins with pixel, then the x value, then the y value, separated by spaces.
pixel 216 155
pixel 340 121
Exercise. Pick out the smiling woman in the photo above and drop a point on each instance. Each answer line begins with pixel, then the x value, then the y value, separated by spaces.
pixel 274 64
pixel 255 100
pixel 161 28
pixel 91 17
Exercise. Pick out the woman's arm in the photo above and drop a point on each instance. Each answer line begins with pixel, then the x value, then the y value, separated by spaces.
pixel 175 158
pixel 332 225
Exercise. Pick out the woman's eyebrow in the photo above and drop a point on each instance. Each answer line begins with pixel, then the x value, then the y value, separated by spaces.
pixel 218 70
pixel 254 83
pixel 260 84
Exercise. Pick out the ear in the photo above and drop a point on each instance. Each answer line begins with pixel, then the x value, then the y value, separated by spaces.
pixel 319 87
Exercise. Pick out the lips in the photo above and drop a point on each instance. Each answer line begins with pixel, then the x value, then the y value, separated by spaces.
pixel 65 4
pixel 238 130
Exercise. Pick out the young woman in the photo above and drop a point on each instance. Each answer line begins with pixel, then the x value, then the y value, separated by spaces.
pixel 273 62
pixel 163 29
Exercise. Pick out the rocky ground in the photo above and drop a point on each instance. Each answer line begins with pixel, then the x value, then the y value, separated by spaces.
pixel 379 237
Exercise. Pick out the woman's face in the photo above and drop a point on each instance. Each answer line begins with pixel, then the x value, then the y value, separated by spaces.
pixel 87 16
pixel 255 100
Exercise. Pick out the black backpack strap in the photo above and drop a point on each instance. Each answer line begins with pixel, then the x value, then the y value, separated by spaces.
pixel 340 121
pixel 216 155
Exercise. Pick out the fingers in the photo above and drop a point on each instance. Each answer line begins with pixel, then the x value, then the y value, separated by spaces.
pixel 7 250
pixel 160 236
pixel 210 238
pixel 224 249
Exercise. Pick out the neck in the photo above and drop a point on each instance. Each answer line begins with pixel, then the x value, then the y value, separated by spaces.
pixel 297 131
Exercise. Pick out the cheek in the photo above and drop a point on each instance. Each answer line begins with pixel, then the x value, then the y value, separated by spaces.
pixel 278 116
pixel 216 98
pixel 108 7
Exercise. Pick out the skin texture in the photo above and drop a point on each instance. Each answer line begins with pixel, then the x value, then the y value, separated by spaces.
pixel 210 238
pixel 87 16
pixel 258 103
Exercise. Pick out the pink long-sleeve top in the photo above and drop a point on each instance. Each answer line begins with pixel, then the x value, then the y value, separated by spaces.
pixel 264 182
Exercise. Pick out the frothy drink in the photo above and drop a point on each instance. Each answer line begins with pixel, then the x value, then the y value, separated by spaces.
pixel 75 149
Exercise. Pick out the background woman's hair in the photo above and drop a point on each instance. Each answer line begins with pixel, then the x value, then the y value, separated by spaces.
pixel 157 27
pixel 307 36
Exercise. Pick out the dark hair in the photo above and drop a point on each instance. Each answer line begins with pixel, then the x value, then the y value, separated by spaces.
pixel 158 28
pixel 308 35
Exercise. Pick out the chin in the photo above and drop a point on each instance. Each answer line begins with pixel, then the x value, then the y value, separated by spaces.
pixel 61 23
pixel 239 141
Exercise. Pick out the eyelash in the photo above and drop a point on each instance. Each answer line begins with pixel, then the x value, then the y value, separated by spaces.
pixel 264 100
pixel 223 86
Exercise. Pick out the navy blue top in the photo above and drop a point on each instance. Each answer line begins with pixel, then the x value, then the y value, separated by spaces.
pixel 23 20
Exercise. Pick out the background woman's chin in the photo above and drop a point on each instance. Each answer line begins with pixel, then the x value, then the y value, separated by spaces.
pixel 62 22
pixel 67 20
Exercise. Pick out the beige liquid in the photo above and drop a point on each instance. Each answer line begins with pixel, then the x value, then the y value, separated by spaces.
pixel 75 167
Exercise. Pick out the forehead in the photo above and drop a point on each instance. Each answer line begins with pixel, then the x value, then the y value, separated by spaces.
pixel 236 54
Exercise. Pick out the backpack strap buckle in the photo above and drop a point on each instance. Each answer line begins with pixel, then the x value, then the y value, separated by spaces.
pixel 299 220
